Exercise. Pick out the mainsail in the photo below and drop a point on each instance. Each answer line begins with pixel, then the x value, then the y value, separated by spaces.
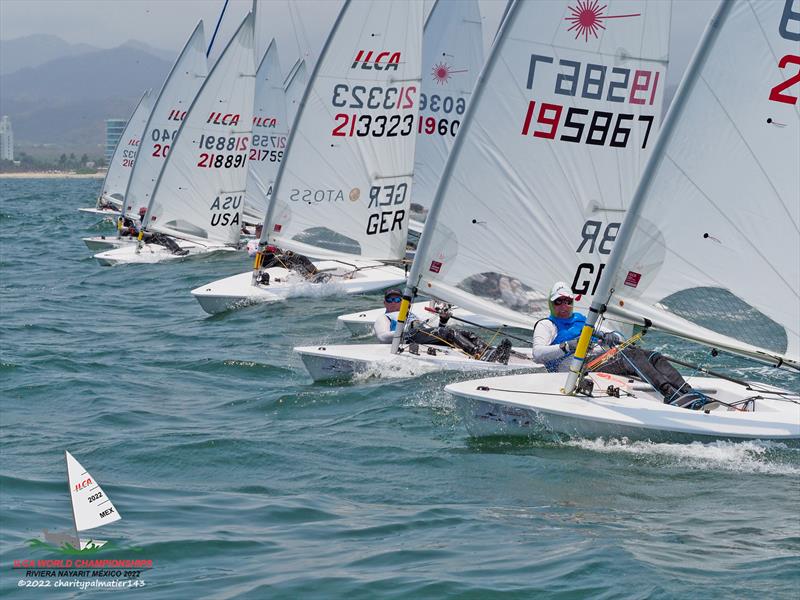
pixel 125 154
pixel 90 506
pixel 345 182
pixel 270 132
pixel 295 86
pixel 452 56
pixel 710 248
pixel 561 122
pixel 200 192
pixel 177 93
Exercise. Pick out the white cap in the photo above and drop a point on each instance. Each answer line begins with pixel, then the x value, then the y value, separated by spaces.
pixel 561 290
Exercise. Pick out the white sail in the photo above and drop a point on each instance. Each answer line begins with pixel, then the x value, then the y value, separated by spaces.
pixel 560 125
pixel 295 86
pixel 345 181
pixel 452 56
pixel 270 132
pixel 285 21
pixel 90 505
pixel 177 93
pixel 715 240
pixel 200 192
pixel 125 154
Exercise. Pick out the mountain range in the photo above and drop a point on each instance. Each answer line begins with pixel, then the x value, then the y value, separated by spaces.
pixel 60 93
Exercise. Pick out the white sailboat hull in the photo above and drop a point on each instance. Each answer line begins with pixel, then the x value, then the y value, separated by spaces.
pixel 360 323
pixel 346 361
pixel 238 290
pixel 155 253
pixel 532 405
pixel 101 243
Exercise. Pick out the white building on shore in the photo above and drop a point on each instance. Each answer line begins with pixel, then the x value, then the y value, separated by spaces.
pixel 114 130
pixel 6 139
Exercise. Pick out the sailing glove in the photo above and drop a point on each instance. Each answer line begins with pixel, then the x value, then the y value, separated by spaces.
pixel 611 339
pixel 569 347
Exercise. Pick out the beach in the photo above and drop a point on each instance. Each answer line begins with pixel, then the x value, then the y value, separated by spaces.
pixel 52 175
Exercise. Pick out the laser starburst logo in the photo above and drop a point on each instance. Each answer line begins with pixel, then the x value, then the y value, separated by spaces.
pixel 587 18
pixel 441 73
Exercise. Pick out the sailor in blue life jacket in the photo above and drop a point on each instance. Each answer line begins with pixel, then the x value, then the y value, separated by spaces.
pixel 556 337
pixel 418 331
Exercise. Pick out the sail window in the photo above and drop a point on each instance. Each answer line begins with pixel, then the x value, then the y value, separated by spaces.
pixel 719 310
pixel 505 290
pixel 322 237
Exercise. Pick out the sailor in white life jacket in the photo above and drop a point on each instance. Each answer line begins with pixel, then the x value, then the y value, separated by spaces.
pixel 418 331
pixel 556 337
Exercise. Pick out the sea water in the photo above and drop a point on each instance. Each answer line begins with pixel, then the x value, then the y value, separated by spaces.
pixel 240 478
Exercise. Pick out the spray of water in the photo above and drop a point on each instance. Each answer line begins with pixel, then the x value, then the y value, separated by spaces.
pixel 772 458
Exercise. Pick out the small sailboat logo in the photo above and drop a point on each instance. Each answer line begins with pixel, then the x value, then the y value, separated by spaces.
pixel 587 18
pixel 91 508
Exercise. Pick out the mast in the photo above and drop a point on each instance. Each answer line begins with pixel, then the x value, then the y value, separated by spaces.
pixel 604 290
pixel 433 214
pixel 219 22
pixel 271 209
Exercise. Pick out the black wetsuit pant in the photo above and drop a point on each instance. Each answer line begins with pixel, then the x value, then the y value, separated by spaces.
pixel 447 336
pixel 164 240
pixel 649 366
pixel 295 262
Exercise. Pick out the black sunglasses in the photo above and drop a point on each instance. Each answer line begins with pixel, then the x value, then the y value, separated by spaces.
pixel 561 301
pixel 392 299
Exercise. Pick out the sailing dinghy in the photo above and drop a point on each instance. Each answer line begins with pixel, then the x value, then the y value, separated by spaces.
pixel 112 194
pixel 179 89
pixel 555 136
pixel 91 508
pixel 708 252
pixel 197 201
pixel 342 192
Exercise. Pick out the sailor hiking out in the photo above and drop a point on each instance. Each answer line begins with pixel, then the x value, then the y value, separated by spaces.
pixel 556 337
pixel 418 331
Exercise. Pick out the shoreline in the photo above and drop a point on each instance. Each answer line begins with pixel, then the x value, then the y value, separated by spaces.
pixel 51 175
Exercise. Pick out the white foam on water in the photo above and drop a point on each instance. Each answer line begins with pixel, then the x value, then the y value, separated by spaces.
pixel 302 288
pixel 400 367
pixel 739 457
